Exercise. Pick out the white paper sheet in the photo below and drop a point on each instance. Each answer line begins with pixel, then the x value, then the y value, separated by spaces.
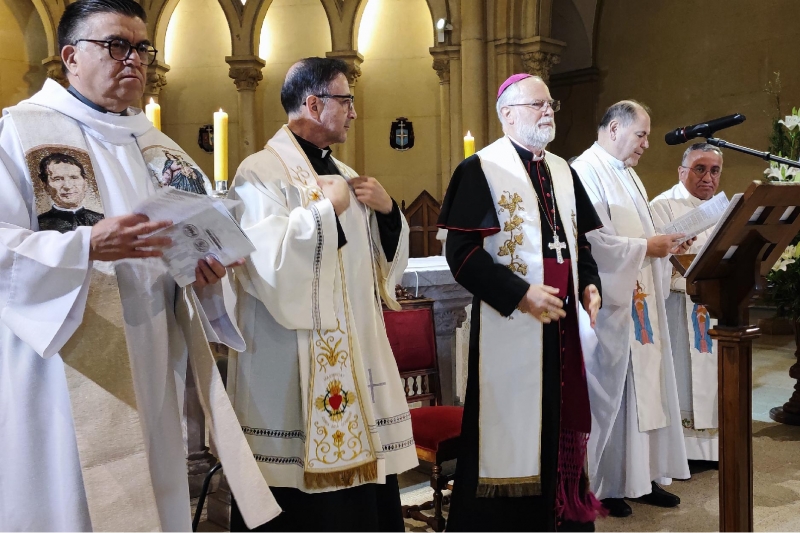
pixel 698 219
pixel 202 226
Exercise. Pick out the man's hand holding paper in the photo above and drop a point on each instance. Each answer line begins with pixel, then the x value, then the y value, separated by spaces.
pixel 205 238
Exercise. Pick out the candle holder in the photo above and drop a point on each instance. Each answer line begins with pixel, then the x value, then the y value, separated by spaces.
pixel 220 189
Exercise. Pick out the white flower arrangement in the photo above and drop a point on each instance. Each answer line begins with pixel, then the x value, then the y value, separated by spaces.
pixel 781 171
pixel 789 256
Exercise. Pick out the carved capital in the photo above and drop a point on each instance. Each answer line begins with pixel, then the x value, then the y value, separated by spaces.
pixel 442 55
pixel 245 71
pixel 539 63
pixel 54 70
pixel 442 68
pixel 540 54
pixel 156 79
pixel 353 60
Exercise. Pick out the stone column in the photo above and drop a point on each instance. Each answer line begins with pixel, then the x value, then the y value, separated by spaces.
pixel 156 80
pixel 540 55
pixel 347 152
pixel 246 73
pixel 473 70
pixel 457 130
pixel 441 64
pixel 54 71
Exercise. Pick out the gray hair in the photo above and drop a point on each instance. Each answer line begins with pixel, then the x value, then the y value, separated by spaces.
pixel 511 96
pixel 703 147
pixel 623 112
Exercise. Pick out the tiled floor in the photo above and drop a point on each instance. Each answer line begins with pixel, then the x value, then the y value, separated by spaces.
pixel 777 473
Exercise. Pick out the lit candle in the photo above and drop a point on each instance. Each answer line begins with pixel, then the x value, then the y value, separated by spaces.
pixel 469 145
pixel 153 112
pixel 220 146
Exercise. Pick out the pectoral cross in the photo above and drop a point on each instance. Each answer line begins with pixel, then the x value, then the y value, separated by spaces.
pixel 557 246
pixel 372 385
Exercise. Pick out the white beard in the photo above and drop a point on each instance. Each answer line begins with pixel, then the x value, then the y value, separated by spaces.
pixel 535 136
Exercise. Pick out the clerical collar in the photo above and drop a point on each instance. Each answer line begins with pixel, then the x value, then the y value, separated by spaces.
pixel 613 161
pixel 311 149
pixel 65 210
pixel 524 153
pixel 74 92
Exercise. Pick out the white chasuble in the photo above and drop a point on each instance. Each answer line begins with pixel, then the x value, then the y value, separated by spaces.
pixel 511 347
pixel 693 349
pixel 317 390
pixel 122 329
pixel 630 372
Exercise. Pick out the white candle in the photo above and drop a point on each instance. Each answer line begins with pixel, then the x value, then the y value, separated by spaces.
pixel 220 146
pixel 153 112
pixel 469 145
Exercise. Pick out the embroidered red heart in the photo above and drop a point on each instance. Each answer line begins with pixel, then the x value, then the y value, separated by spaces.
pixel 336 401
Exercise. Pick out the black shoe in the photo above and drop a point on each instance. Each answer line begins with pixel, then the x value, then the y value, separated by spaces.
pixel 617 507
pixel 660 498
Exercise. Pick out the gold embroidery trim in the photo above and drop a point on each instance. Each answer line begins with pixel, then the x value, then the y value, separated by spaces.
pixel 512 203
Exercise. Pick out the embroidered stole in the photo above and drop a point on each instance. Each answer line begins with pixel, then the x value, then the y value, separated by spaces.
pixel 110 439
pixel 511 348
pixel 629 213
pixel 342 447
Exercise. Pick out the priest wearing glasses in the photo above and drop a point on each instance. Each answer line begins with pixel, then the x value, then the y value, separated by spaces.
pixel 517 217
pixel 317 390
pixel 693 351
pixel 94 331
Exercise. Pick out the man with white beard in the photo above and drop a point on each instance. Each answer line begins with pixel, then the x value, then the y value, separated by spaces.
pixel 637 437
pixel 516 217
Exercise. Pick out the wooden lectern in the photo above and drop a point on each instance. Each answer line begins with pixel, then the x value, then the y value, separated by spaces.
pixel 742 250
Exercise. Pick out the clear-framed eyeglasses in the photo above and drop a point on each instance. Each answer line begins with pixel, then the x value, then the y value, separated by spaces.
pixel 700 170
pixel 539 105
pixel 348 100
pixel 121 49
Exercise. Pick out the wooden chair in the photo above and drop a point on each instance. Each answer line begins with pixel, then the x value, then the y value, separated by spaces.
pixel 436 427
pixel 422 215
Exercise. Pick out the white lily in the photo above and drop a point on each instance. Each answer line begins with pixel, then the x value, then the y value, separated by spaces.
pixel 782 172
pixel 791 122
pixel 786 258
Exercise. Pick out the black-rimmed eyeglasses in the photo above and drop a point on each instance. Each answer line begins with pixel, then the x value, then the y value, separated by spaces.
pixel 538 105
pixel 700 170
pixel 348 99
pixel 120 49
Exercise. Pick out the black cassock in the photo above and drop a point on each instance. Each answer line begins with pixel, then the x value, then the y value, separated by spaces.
pixel 469 213
pixel 367 507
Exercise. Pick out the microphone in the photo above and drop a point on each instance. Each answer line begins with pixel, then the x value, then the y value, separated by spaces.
pixel 705 129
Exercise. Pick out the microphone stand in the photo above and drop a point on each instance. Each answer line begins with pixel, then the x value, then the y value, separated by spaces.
pixel 719 143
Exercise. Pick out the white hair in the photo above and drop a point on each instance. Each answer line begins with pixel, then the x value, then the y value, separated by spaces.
pixel 703 147
pixel 510 96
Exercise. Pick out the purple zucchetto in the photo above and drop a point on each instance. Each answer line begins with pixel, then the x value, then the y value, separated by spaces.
pixel 510 81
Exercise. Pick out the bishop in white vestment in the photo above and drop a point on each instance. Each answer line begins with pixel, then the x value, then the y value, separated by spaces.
pixel 636 427
pixel 694 352
pixel 94 332
pixel 516 219
pixel 317 389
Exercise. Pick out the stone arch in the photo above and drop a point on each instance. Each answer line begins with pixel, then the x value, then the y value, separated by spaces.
pixel 159 19
pixel 438 9
pixel 25 49
pixel 50 23
pixel 574 25
pixel 259 14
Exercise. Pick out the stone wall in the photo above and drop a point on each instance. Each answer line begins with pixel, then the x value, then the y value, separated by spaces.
pixel 690 61
pixel 23 46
